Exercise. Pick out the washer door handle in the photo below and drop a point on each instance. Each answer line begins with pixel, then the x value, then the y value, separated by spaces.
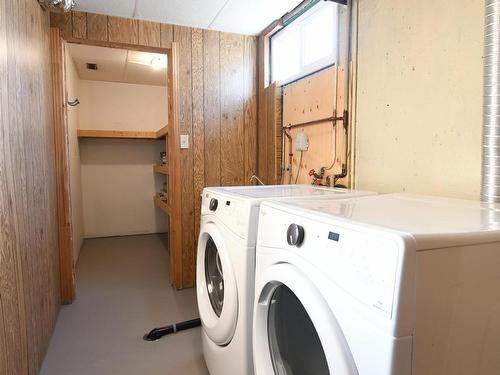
pixel 295 235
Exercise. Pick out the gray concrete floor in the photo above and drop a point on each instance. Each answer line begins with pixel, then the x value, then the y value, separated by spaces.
pixel 123 291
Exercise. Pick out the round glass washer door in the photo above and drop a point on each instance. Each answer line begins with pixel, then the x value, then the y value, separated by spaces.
pixel 295 330
pixel 216 287
pixel 214 276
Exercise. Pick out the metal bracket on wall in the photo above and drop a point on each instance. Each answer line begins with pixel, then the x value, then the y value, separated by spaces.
pixel 344 118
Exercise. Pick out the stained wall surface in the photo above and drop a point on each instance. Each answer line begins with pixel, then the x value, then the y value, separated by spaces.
pixel 29 259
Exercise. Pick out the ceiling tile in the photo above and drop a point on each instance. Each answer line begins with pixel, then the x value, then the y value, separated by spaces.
pixel 238 16
pixel 120 8
pixel 194 13
pixel 251 17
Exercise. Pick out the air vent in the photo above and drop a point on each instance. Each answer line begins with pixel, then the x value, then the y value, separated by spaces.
pixel 91 66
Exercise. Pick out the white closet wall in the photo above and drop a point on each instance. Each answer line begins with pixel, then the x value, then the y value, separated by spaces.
pixel 72 90
pixel 118 182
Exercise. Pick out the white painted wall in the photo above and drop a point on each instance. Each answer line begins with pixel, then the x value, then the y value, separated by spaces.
pixel 72 91
pixel 118 187
pixel 122 106
pixel 419 96
pixel 118 182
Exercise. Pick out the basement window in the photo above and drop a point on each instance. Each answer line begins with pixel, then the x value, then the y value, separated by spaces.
pixel 306 45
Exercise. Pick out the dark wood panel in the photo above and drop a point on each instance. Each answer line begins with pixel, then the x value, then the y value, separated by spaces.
pixel 29 283
pixel 149 33
pixel 211 77
pixel 250 107
pixel 97 27
pixel 79 25
pixel 198 125
pixel 182 37
pixel 123 30
pixel 231 99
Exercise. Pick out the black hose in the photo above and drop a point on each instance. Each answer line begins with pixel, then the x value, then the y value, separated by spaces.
pixel 158 333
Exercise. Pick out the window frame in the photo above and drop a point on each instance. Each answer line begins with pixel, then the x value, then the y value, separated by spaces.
pixel 316 66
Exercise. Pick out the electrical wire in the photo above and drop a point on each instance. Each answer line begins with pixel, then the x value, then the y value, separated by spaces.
pixel 299 167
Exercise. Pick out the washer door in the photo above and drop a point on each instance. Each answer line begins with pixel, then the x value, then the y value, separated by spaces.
pixel 216 286
pixel 295 331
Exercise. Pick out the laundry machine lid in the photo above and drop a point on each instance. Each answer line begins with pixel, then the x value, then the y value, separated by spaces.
pixel 288 191
pixel 216 289
pixel 434 222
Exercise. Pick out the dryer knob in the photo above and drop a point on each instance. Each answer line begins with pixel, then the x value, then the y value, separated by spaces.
pixel 213 204
pixel 295 235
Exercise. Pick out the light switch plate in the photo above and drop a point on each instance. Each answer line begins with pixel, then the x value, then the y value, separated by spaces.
pixel 184 140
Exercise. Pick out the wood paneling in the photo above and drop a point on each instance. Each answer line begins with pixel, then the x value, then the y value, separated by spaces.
pixel 79 25
pixel 97 27
pixel 166 35
pixel 183 39
pixel 311 99
pixel 250 108
pixel 123 30
pixel 198 124
pixel 29 264
pixel 217 78
pixel 231 101
pixel 211 80
pixel 67 279
pixel 149 34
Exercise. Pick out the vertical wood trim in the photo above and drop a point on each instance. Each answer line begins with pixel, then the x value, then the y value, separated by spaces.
pixel 149 33
pixel 67 280
pixel 262 157
pixel 123 30
pixel 182 36
pixel 250 107
pixel 97 27
pixel 231 66
pixel 173 146
pixel 166 35
pixel 211 77
pixel 79 25
pixel 198 127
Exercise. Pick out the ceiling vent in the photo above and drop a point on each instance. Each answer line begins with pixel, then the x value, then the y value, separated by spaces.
pixel 91 66
pixel 57 5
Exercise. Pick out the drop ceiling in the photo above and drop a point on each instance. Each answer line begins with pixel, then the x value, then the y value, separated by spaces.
pixel 237 16
pixel 118 65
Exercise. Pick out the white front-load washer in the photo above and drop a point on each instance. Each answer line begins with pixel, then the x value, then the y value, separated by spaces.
pixel 226 266
pixel 380 285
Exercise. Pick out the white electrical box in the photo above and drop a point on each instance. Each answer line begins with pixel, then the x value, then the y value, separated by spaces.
pixel 184 141
pixel 301 142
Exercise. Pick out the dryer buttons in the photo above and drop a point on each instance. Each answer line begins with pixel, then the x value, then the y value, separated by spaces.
pixel 295 235
pixel 213 204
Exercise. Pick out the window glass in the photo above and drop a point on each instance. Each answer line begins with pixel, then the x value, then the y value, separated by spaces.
pixel 306 45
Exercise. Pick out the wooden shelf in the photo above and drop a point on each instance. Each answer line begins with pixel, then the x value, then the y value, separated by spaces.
pixel 163 205
pixel 123 134
pixel 162 133
pixel 163 169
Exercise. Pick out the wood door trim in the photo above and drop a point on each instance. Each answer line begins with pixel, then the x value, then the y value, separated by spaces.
pixel 65 238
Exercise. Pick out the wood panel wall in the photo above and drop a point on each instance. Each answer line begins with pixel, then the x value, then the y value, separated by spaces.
pixel 218 103
pixel 29 264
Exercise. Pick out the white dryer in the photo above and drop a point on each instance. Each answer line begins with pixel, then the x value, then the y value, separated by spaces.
pixel 226 268
pixel 383 285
